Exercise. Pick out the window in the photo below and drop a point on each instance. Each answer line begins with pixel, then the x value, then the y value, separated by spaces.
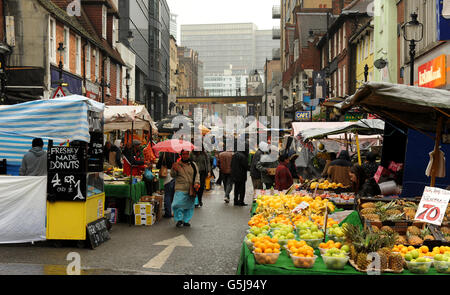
pixel 335 83
pixel 104 21
pixel 334 45
pixel 372 42
pixel 108 70
pixel 52 40
pixel 115 31
pixel 118 93
pixel 78 56
pixel 97 64
pixel 339 40
pixel 88 61
pixel 344 37
pixel 339 82
pixel 344 81
pixel 67 48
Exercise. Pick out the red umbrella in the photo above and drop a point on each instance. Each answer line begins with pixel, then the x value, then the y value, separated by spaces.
pixel 173 146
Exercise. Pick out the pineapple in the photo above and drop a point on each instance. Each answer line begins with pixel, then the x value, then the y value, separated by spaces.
pixel 372 217
pixel 428 237
pixel 368 211
pixel 387 229
pixel 413 230
pixel 353 253
pixel 414 240
pixel 396 262
pixel 384 259
pixel 401 240
pixel 361 261
pixel 375 228
pixel 368 205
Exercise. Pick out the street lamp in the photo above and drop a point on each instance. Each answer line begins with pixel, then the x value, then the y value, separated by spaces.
pixel 127 84
pixel 294 93
pixel 130 37
pixel 413 33
pixel 61 50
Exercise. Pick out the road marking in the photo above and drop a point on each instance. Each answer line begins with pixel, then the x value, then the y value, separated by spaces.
pixel 159 260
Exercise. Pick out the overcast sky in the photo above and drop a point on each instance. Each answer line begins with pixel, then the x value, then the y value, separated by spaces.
pixel 258 12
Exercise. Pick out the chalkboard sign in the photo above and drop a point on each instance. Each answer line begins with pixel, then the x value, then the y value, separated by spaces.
pixel 66 159
pixel 66 186
pixel 95 152
pixel 97 232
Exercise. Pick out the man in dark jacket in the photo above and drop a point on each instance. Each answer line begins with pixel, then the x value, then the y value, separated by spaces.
pixel 224 163
pixel 113 154
pixel 339 169
pixel 239 168
pixel 254 172
pixel 283 177
pixel 34 163
pixel 167 159
pixel 201 158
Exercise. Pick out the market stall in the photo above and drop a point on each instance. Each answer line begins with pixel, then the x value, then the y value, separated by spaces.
pixel 424 110
pixel 72 197
pixel 136 122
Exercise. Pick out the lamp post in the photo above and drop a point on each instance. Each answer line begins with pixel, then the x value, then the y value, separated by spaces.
pixel 127 84
pixel 294 93
pixel 61 50
pixel 413 33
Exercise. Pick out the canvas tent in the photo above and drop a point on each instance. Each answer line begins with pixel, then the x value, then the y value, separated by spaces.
pixel 121 117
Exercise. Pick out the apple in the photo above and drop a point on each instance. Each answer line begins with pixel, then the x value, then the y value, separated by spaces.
pixel 415 254
pixel 408 257
pixel 345 248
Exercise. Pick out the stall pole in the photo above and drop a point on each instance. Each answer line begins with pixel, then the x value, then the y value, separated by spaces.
pixel 435 152
pixel 358 148
pixel 346 142
pixel 131 178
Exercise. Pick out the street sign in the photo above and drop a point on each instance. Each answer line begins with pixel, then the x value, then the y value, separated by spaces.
pixel 302 116
pixel 59 92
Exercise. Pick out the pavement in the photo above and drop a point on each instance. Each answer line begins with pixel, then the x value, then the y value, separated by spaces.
pixel 211 246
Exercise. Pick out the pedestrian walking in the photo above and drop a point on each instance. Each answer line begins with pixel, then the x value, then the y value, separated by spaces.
pixel 239 169
pixel 267 166
pixel 185 173
pixel 224 163
pixel 34 163
pixel 165 163
pixel 203 162
pixel 255 174
pixel 283 177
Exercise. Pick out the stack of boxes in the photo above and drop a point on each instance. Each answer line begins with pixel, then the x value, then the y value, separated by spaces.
pixel 144 214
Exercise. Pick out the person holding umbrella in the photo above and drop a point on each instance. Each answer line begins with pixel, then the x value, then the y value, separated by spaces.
pixel 185 173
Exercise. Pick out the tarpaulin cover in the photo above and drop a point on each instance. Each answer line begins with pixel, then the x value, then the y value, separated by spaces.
pixel 364 126
pixel 120 118
pixel 60 120
pixel 413 106
pixel 23 209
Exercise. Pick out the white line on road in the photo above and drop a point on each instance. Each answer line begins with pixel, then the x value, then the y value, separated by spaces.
pixel 159 260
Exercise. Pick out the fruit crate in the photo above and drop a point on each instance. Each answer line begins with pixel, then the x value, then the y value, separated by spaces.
pixel 400 226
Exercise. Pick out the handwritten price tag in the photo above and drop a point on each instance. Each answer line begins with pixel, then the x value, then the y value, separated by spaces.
pixel 300 207
pixel 432 206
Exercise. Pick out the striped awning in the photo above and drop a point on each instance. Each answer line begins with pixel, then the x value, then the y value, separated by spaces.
pixel 60 120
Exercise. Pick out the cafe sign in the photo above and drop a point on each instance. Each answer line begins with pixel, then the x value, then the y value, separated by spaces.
pixel 433 73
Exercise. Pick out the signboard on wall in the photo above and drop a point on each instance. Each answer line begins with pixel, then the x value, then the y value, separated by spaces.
pixel 433 73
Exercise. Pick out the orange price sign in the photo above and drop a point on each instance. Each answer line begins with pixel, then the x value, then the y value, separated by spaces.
pixel 432 206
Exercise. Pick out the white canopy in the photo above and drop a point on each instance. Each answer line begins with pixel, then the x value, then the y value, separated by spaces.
pixel 121 117
pixel 364 126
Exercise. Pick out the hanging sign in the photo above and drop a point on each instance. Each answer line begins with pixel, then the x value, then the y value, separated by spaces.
pixel 432 206
pixel 59 92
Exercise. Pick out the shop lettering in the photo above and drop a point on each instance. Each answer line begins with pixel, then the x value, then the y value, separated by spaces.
pixel 64 150
pixel 429 76
pixel 65 165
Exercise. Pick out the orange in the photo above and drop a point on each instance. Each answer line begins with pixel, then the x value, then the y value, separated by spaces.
pixel 268 250
pixel 424 249
pixel 404 250
pixel 277 246
pixel 337 245
pixel 310 252
pixel 410 248
pixel 258 250
pixel 276 251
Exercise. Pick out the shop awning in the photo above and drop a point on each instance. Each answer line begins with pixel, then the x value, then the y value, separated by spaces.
pixel 363 127
pixel 121 117
pixel 60 120
pixel 415 107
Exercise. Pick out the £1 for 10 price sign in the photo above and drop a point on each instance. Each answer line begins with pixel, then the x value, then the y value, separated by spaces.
pixel 432 206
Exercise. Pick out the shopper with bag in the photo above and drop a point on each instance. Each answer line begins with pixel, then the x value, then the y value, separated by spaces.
pixel 164 165
pixel 201 158
pixel 187 183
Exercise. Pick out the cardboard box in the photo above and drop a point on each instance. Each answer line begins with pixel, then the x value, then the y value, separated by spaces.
pixel 143 208
pixel 158 204
pixel 144 219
